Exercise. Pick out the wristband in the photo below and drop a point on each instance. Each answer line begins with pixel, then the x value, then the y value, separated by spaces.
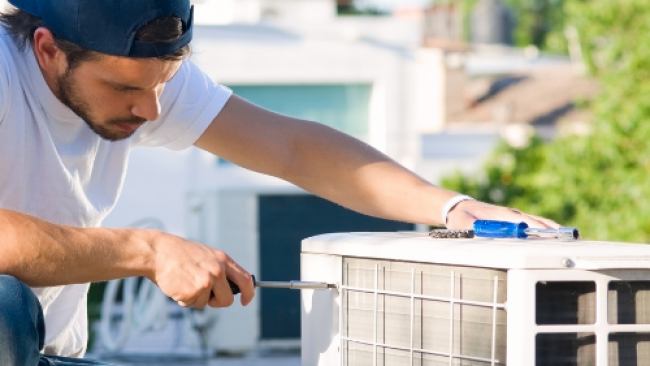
pixel 451 204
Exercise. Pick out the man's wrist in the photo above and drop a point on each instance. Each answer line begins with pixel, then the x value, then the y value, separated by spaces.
pixel 451 203
pixel 143 244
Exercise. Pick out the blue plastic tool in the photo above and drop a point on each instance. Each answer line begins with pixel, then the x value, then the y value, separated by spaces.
pixel 504 229
pixel 500 229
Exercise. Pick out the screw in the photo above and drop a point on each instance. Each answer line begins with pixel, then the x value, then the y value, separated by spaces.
pixel 567 262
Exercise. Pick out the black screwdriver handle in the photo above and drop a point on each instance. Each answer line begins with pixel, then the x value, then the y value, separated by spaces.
pixel 235 289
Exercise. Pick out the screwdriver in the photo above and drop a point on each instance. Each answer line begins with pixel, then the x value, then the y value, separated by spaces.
pixel 294 285
pixel 504 229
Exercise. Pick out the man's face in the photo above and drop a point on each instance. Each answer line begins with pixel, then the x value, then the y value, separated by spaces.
pixel 115 95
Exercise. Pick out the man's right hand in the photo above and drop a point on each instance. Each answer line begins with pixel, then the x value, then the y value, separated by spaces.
pixel 197 275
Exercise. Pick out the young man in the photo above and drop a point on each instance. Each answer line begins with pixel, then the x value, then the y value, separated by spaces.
pixel 82 83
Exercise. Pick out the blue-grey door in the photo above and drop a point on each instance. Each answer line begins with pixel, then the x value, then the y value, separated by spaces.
pixel 284 220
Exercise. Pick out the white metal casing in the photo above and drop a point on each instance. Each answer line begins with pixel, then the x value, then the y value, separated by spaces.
pixel 527 262
pixel 521 309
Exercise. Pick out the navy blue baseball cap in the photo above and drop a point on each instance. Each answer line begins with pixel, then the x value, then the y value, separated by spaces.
pixel 110 26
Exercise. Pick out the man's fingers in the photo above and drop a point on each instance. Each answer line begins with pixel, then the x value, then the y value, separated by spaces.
pixel 514 215
pixel 243 279
pixel 202 299
pixel 185 304
pixel 222 294
pixel 467 212
pixel 532 221
pixel 548 223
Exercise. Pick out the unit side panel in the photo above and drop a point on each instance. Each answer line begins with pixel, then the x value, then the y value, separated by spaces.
pixel 521 319
pixel 320 310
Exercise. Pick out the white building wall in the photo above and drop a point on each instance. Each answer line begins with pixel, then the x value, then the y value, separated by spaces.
pixel 424 103
pixel 298 11
pixel 252 11
pixel 226 11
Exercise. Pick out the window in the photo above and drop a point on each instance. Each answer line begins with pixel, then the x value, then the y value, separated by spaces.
pixel 341 106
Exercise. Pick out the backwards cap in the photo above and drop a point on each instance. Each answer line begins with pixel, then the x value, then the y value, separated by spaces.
pixel 110 26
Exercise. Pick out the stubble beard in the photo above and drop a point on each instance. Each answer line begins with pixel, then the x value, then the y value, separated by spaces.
pixel 68 96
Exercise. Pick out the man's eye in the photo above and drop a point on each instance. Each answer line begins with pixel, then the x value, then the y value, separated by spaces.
pixel 123 89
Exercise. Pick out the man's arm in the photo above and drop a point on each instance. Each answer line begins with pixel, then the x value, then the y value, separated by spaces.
pixel 43 254
pixel 338 167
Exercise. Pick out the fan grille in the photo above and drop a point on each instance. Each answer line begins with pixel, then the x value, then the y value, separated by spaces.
pixel 574 303
pixel 403 313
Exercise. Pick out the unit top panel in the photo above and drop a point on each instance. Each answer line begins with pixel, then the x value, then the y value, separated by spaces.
pixel 480 252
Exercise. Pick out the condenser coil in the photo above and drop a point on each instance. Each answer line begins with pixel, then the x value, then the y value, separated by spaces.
pixel 405 299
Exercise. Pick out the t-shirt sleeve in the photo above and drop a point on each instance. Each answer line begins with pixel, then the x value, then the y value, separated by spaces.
pixel 5 95
pixel 189 103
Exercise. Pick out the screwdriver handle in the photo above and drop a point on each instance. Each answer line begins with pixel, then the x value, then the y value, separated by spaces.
pixel 235 289
pixel 500 229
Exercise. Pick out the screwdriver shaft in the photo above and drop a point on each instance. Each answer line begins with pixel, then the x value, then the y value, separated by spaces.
pixel 296 285
pixel 293 285
pixel 560 233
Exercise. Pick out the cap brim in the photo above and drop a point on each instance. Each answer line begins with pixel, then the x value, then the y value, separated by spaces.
pixel 29 6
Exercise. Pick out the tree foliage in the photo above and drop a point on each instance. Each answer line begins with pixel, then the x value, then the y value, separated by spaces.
pixel 540 23
pixel 355 9
pixel 597 182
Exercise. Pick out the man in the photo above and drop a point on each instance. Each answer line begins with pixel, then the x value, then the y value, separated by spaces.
pixel 82 83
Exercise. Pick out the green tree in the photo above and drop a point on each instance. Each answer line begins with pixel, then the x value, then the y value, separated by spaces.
pixel 597 182
pixel 352 8
pixel 540 23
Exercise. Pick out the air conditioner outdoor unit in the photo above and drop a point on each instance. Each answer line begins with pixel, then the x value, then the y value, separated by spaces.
pixel 407 299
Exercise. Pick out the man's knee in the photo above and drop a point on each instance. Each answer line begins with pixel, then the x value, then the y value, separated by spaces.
pixel 21 318
pixel 16 297
pixel 9 284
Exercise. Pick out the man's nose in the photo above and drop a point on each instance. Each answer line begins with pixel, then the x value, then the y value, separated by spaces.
pixel 147 106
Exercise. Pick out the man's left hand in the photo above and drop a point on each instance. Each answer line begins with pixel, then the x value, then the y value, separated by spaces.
pixel 465 213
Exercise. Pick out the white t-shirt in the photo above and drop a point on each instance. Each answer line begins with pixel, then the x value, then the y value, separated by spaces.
pixel 52 166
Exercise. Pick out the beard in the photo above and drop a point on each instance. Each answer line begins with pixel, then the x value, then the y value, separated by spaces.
pixel 70 98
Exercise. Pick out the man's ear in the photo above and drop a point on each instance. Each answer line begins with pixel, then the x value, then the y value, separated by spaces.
pixel 50 57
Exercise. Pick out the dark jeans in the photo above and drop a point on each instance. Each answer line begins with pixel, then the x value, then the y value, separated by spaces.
pixel 22 329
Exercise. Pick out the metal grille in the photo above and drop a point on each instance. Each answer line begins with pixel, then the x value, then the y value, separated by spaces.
pixel 570 310
pixel 565 303
pixel 558 303
pixel 403 313
pixel 629 303
pixel 565 349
